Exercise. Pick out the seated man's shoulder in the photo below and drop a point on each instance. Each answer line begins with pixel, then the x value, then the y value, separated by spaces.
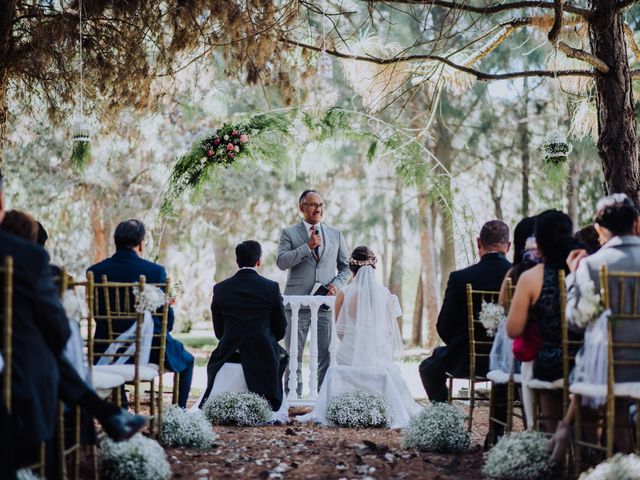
pixel 22 251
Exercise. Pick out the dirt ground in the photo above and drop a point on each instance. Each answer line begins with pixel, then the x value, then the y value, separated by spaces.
pixel 301 451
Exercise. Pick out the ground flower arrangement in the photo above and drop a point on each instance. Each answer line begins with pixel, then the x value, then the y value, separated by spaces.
pixel 244 409
pixel 139 458
pixel 519 456
pixel 618 467
pixel 186 429
pixel 359 409
pixel 440 427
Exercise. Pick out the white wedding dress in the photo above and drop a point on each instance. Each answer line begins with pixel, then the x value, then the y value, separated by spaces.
pixel 364 345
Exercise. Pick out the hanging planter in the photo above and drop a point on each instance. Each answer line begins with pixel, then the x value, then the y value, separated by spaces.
pixel 325 66
pixel 555 151
pixel 81 150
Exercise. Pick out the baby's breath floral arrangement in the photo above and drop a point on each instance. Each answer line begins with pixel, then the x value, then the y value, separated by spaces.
pixel 359 409
pixel 26 474
pixel 618 467
pixel 186 429
pixel 440 427
pixel 518 456
pixel 588 306
pixel 490 317
pixel 150 299
pixel 139 458
pixel 233 408
pixel 73 307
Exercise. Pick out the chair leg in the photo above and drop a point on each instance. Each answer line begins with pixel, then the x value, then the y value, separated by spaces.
pixel 76 453
pixel 472 397
pixel 577 428
pixel 450 390
pixel 43 459
pixel 534 410
pixel 94 459
pixel 510 400
pixel 637 439
pixel 176 388
pixel 61 442
pixel 118 396
pixel 492 409
pixel 611 424
pixel 160 400
pixel 152 406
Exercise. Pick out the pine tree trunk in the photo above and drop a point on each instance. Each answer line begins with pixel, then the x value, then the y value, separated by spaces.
pixel 100 231
pixel 617 141
pixel 418 309
pixel 525 140
pixel 395 274
pixel 224 258
pixel 431 295
pixel 7 12
pixel 572 191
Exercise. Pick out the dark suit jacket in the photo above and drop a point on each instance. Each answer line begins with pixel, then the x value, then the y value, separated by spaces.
pixel 248 315
pixel 453 325
pixel 40 333
pixel 127 266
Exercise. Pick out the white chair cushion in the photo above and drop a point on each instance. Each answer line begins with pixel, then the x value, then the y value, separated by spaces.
pixel 626 389
pixel 106 381
pixel 128 372
pixel 499 376
pixel 536 384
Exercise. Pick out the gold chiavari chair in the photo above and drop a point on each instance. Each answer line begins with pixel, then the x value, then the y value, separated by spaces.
pixel 620 293
pixel 112 304
pixel 479 349
pixel 512 380
pixel 6 315
pixel 569 349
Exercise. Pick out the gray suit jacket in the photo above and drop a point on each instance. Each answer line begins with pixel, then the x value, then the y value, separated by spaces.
pixel 304 271
pixel 620 254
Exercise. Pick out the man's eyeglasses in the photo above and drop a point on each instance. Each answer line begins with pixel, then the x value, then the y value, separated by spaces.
pixel 314 204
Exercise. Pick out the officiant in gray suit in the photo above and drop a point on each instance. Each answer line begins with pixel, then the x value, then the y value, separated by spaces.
pixel 312 252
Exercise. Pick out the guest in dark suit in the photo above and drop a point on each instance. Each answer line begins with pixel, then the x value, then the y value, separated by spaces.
pixel 453 327
pixel 126 265
pixel 249 320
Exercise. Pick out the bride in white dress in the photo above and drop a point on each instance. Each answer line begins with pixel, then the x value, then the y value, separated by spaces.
pixel 365 343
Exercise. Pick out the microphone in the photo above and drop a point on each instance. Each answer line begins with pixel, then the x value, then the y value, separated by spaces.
pixel 316 250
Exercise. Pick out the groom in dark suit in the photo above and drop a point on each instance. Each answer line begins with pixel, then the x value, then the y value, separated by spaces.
pixel 248 319
pixel 126 265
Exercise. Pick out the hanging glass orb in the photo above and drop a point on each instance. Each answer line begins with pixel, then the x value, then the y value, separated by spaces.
pixel 81 130
pixel 556 148
pixel 325 66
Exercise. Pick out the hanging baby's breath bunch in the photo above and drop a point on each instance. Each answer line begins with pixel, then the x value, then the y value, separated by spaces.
pixel 618 467
pixel 150 299
pixel 139 458
pixel 73 307
pixel 26 474
pixel 233 408
pixel 588 307
pixel 186 429
pixel 440 427
pixel 359 409
pixel 518 456
pixel 490 317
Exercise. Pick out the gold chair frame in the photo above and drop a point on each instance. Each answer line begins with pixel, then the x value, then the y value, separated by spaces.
pixel 127 312
pixel 473 355
pixel 610 406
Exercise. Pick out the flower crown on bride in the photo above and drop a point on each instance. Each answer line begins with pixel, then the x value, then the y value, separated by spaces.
pixel 363 263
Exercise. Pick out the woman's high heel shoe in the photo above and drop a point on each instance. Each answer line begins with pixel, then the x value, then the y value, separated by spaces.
pixel 559 443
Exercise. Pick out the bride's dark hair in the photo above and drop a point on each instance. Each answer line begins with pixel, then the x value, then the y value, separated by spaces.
pixel 360 257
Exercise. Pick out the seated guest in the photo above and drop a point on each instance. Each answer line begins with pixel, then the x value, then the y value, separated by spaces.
pixel 249 320
pixel 589 238
pixel 126 265
pixel 536 300
pixel 453 327
pixel 616 221
pixel 524 254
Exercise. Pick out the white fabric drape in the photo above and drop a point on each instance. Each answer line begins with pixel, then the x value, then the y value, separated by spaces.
pixel 129 338
pixel 501 356
pixel 74 349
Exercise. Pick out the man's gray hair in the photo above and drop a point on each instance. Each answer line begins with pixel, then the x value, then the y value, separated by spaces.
pixel 304 195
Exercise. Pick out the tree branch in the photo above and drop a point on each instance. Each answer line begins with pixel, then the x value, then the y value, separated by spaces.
pixel 633 45
pixel 626 4
pixel 501 7
pixel 476 73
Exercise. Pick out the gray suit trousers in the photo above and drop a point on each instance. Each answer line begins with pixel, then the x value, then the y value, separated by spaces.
pixel 324 339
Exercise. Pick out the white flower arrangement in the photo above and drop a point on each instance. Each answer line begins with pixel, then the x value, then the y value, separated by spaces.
pixel 359 409
pixel 151 299
pixel 518 456
pixel 618 467
pixel 26 474
pixel 186 429
pixel 588 307
pixel 440 427
pixel 233 408
pixel 73 307
pixel 139 458
pixel 490 317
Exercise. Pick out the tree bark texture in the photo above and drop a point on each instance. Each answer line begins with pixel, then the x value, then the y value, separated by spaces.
pixel 395 274
pixel 431 294
pixel 572 191
pixel 7 12
pixel 617 141
pixel 418 310
pixel 100 230
pixel 524 137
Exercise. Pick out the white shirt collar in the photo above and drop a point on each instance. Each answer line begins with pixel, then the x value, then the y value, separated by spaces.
pixel 249 268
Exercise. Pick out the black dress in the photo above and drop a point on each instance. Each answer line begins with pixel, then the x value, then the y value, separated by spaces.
pixel 546 312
